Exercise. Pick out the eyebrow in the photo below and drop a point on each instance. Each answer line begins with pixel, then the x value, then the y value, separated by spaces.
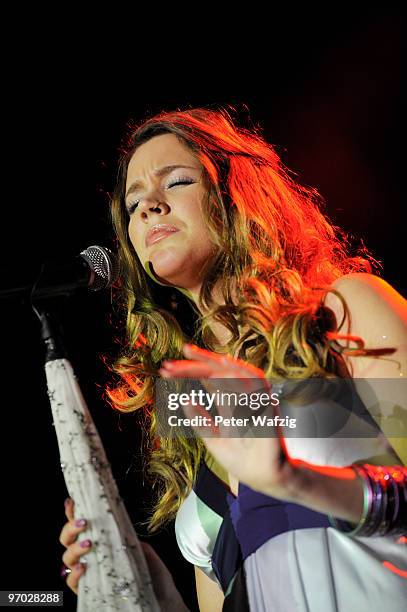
pixel 160 172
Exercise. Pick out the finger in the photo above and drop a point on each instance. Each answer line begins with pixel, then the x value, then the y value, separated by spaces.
pixel 73 577
pixel 240 367
pixel 208 428
pixel 71 530
pixel 194 352
pixel 186 369
pixel 224 450
pixel 222 425
pixel 74 552
pixel 195 369
pixel 69 508
pixel 217 367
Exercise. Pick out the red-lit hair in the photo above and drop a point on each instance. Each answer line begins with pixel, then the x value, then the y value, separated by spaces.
pixel 276 254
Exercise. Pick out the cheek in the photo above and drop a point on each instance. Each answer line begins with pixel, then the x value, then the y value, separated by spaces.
pixel 135 238
pixel 200 230
pixel 192 214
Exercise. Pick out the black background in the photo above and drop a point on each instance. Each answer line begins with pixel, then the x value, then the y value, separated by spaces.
pixel 326 90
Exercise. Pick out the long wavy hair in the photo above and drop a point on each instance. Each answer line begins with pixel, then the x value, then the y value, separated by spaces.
pixel 272 243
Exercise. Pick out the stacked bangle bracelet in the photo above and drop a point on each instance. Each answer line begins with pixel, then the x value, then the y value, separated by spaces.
pixel 384 502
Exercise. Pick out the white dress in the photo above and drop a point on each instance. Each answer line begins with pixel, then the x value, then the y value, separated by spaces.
pixel 272 556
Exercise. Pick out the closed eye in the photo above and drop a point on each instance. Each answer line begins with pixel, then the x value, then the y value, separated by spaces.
pixel 131 207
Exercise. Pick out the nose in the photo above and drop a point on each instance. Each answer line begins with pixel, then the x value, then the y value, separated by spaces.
pixel 152 206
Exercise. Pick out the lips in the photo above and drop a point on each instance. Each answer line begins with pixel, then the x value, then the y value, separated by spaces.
pixel 159 231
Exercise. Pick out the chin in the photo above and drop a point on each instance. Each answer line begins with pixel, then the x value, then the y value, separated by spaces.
pixel 168 267
pixel 168 262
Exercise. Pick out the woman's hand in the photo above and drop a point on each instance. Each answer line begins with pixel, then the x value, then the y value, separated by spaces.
pixel 261 463
pixel 74 549
pixel 165 590
pixel 264 463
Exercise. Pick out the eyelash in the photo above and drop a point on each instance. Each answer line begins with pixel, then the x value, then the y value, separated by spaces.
pixel 186 181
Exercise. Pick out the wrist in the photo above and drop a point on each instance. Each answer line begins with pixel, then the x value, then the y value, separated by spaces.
pixel 327 489
pixel 291 483
pixel 298 481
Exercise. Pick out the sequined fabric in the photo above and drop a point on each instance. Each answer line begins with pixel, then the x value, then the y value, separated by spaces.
pixel 117 576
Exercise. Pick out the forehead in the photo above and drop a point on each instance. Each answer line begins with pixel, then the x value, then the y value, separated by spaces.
pixel 159 151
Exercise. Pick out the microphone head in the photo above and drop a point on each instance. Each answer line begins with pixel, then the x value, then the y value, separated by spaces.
pixel 104 265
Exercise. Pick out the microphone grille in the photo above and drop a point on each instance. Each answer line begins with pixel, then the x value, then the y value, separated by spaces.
pixel 104 264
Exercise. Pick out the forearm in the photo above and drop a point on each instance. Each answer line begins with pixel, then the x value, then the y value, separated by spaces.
pixel 329 490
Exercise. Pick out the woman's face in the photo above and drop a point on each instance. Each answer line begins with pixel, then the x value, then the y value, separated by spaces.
pixel 164 193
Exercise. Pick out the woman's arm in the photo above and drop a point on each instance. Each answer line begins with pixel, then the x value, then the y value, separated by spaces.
pixel 377 314
pixel 210 597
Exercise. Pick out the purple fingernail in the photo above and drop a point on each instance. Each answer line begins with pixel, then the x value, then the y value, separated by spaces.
pixel 85 543
pixel 78 566
pixel 80 523
pixel 66 502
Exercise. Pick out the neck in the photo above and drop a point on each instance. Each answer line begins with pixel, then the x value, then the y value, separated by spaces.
pixel 221 333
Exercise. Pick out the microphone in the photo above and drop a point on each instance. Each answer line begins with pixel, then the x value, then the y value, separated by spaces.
pixel 94 268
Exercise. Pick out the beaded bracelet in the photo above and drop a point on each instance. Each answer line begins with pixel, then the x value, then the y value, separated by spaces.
pixel 384 502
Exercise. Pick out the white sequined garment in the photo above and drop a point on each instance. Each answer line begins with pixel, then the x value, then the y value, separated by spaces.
pixel 117 577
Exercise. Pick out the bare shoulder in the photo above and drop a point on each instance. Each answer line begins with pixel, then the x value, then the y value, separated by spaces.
pixel 362 285
pixel 375 312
